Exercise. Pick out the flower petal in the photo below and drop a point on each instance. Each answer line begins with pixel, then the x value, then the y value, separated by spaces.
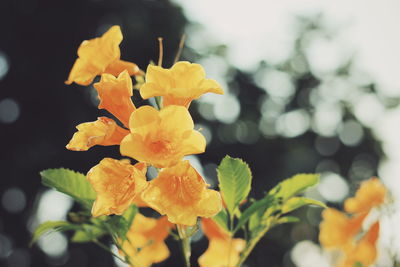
pixel 117 184
pixel 115 95
pixel 103 132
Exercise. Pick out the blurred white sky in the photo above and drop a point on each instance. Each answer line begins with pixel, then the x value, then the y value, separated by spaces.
pixel 369 30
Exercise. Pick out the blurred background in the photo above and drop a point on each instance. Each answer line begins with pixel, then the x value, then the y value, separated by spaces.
pixel 311 86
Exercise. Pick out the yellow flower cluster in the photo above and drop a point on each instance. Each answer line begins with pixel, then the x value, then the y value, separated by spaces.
pixel 159 138
pixel 345 232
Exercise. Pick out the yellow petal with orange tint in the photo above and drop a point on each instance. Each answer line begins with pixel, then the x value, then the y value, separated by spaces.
pixel 117 184
pixel 337 229
pixel 104 132
pixel 162 138
pixel 179 85
pixel 146 236
pixel 371 193
pixel 115 95
pixel 100 55
pixel 222 253
pixel 181 193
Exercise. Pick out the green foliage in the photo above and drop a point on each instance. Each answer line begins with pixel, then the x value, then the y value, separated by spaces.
pixel 287 219
pixel 71 183
pixel 234 178
pixel 298 202
pixel 222 219
pixel 358 264
pixel 88 233
pixel 258 205
pixel 49 226
pixel 294 185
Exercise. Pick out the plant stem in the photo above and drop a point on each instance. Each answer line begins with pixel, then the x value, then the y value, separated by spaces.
pixel 250 246
pixel 185 244
pixel 108 250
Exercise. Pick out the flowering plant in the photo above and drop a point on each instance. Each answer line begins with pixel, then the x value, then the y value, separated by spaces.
pixel 114 193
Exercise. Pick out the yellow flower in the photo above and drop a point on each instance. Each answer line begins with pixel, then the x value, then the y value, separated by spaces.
pixel 100 55
pixel 104 132
pixel 115 95
pixel 223 250
pixel 371 193
pixel 178 85
pixel 181 193
pixel 146 240
pixel 337 229
pixel 118 184
pixel 364 251
pixel 161 138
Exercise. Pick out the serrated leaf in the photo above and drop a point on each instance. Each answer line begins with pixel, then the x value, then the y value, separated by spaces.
pixel 234 178
pixel 49 226
pixel 287 219
pixel 294 185
pixel 257 206
pixel 71 183
pixel 222 219
pixel 298 202
pixel 87 233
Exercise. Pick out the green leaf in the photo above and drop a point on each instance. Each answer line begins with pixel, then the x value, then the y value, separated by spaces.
pixel 130 214
pixel 87 233
pixel 117 226
pixel 287 219
pixel 358 264
pixel 295 185
pixel 298 202
pixel 222 219
pixel 49 226
pixel 257 206
pixel 71 183
pixel 234 178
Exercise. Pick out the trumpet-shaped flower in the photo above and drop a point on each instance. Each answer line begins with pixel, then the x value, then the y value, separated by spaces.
pixel 181 193
pixel 146 236
pixel 178 85
pixel 364 251
pixel 104 132
pixel 100 55
pixel 371 193
pixel 337 229
pixel 118 184
pixel 115 95
pixel 223 250
pixel 161 138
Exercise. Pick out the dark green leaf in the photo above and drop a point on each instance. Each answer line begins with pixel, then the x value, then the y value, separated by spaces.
pixel 259 205
pixel 234 178
pixel 222 219
pixel 71 183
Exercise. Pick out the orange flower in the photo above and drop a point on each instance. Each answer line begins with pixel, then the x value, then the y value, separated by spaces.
pixel 337 229
pixel 100 55
pixel 223 250
pixel 104 132
pixel 117 184
pixel 146 240
pixel 178 85
pixel 181 193
pixel 364 251
pixel 162 138
pixel 371 193
pixel 115 95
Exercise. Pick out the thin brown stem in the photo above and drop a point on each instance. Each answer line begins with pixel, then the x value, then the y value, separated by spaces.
pixel 180 48
pixel 160 51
